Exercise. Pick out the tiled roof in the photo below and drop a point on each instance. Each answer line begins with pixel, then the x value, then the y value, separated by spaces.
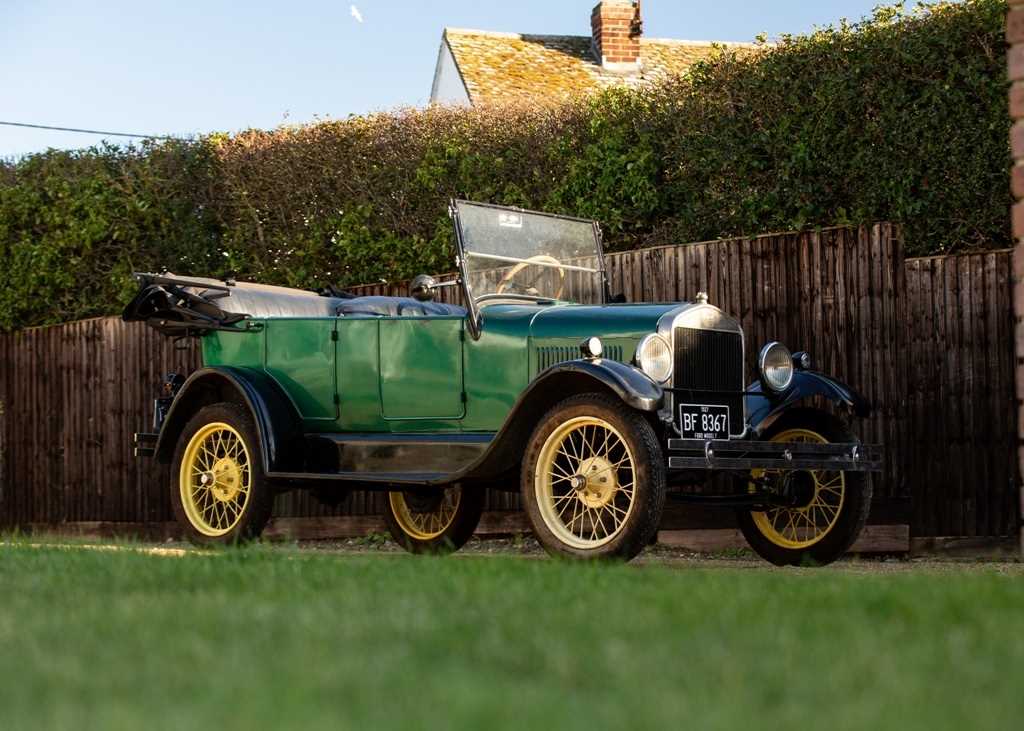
pixel 510 67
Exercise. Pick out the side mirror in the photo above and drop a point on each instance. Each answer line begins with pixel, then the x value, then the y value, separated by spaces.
pixel 423 288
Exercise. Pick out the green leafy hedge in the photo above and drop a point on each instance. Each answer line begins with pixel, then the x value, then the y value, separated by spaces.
pixel 902 117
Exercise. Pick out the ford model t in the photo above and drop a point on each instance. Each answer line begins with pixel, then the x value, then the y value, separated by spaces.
pixel 593 410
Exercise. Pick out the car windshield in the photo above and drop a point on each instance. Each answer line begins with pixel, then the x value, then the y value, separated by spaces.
pixel 515 254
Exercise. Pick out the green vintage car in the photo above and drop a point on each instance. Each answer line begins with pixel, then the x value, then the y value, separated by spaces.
pixel 592 409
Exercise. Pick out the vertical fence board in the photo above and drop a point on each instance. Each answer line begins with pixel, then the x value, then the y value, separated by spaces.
pixel 1010 504
pixel 931 429
pixel 912 343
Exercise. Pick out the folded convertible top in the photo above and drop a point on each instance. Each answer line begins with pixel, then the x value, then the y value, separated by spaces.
pixel 193 306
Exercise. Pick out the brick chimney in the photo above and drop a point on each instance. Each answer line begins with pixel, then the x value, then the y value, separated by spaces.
pixel 616 27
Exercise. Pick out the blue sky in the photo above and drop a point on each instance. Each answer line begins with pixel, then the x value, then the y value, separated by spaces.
pixel 194 66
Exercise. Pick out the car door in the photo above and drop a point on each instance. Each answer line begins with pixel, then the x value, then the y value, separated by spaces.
pixel 300 355
pixel 421 372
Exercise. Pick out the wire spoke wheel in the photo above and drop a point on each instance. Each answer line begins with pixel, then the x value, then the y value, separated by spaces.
pixel 808 523
pixel 215 479
pixel 585 482
pixel 425 517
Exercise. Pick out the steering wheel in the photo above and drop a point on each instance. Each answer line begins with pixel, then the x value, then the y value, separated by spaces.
pixel 506 281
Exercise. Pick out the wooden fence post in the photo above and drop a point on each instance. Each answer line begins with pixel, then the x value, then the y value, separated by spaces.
pixel 3 453
pixel 1015 37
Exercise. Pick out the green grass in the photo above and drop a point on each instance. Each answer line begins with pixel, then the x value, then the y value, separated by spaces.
pixel 276 638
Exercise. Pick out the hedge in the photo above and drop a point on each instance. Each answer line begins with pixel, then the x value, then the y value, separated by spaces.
pixel 901 117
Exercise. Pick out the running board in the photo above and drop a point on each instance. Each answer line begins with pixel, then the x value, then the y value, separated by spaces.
pixel 751 455
pixel 375 480
pixel 375 456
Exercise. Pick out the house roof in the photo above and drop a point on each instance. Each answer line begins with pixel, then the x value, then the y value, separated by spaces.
pixel 512 67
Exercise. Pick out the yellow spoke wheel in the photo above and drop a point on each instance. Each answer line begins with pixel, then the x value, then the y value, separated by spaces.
pixel 804 526
pixel 585 482
pixel 215 479
pixel 427 521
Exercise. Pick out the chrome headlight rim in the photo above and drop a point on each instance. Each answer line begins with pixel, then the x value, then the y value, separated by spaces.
pixel 776 359
pixel 644 358
pixel 592 347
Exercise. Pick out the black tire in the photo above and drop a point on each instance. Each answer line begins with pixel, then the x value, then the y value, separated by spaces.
pixel 204 521
pixel 549 500
pixel 845 527
pixel 434 522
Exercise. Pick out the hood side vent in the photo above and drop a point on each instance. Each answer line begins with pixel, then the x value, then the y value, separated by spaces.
pixel 548 356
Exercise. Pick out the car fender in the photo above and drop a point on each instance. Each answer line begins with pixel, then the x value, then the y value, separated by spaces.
pixel 628 383
pixel 277 424
pixel 559 382
pixel 764 407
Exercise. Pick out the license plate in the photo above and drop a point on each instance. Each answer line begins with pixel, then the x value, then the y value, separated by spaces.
pixel 700 421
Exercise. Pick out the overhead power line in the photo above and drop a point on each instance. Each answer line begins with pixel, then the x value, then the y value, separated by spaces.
pixel 88 131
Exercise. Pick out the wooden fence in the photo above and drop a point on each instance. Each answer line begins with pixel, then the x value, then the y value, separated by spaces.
pixel 928 341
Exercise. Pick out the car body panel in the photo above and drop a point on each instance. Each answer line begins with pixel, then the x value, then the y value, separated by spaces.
pixel 421 371
pixel 605 321
pixel 358 368
pixel 409 374
pixel 241 348
pixel 497 366
pixel 300 356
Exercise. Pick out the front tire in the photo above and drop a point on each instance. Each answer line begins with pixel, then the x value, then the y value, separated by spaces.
pixel 834 513
pixel 437 522
pixel 218 488
pixel 593 479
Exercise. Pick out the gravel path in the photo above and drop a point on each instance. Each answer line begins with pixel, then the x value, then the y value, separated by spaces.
pixel 527 547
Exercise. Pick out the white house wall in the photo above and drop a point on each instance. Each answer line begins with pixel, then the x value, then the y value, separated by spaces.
pixel 448 87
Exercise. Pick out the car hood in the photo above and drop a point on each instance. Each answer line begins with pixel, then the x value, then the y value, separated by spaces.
pixel 607 321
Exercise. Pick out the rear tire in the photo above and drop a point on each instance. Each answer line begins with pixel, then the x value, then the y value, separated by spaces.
pixel 593 479
pixel 442 522
pixel 821 532
pixel 219 491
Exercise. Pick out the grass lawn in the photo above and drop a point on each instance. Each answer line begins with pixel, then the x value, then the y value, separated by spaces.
pixel 279 638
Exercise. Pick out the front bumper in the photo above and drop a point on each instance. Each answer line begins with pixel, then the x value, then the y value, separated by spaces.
pixel 690 454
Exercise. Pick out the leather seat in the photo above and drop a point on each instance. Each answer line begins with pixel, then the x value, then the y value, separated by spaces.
pixel 396 307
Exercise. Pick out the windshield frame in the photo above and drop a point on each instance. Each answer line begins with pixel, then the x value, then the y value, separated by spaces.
pixel 473 308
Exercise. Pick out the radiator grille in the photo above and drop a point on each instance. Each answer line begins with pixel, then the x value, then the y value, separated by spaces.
pixel 553 355
pixel 709 361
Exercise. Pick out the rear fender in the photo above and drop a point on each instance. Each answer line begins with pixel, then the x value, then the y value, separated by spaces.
pixel 277 424
pixel 764 407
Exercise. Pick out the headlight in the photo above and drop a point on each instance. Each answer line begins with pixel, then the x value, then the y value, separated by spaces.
pixel 776 365
pixel 592 347
pixel 654 357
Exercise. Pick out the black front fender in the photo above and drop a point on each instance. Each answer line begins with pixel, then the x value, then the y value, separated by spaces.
pixel 628 383
pixel 559 382
pixel 764 407
pixel 277 424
